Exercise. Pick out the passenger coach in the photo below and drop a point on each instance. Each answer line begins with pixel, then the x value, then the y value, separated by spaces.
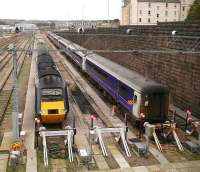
pixel 135 93
pixel 130 89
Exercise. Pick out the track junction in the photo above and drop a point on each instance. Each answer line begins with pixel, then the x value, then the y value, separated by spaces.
pixel 102 137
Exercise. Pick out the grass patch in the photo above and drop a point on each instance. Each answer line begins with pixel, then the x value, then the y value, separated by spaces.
pixel 40 162
pixel 189 155
pixel 19 168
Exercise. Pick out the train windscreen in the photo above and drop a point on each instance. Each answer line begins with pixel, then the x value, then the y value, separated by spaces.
pixel 54 93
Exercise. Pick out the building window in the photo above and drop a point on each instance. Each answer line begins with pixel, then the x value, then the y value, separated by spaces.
pixel 183 8
pixel 149 12
pixel 149 20
pixel 158 7
pixel 158 15
pixel 149 4
pixel 166 5
pixel 175 13
pixel 140 20
pixel 140 11
pixel 166 13
pixel 175 6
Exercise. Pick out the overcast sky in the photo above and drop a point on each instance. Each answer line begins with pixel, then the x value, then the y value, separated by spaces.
pixel 59 9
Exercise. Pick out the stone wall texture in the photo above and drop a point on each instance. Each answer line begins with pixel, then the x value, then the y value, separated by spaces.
pixel 178 70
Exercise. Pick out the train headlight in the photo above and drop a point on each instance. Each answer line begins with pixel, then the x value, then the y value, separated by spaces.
pixel 37 120
pixel 62 111
pixel 146 103
pixel 42 112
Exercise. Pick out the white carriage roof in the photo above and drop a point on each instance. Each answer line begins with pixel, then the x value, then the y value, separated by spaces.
pixel 127 76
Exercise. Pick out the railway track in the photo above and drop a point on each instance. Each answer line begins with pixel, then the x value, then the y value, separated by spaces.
pixel 5 54
pixel 111 161
pixel 116 156
pixel 113 148
pixel 156 157
pixel 7 57
pixel 7 85
pixel 4 44
pixel 103 111
pixel 7 67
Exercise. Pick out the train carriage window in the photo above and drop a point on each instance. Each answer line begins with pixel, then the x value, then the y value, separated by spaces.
pixel 135 99
pixel 99 72
pixel 103 75
pixel 123 91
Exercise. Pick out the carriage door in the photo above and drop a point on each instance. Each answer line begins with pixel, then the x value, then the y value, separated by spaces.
pixel 157 105
pixel 136 104
pixel 125 94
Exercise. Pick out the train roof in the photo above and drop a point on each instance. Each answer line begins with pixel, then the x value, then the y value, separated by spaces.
pixel 46 66
pixel 51 81
pixel 48 71
pixel 129 77
pixel 71 45
pixel 42 48
pixel 44 58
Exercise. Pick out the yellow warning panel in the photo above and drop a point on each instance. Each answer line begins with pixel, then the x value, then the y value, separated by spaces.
pixel 52 105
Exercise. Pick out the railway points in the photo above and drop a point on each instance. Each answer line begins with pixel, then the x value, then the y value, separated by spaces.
pixel 6 91
pixel 101 106
pixel 102 109
pixel 99 157
pixel 79 78
pixel 93 137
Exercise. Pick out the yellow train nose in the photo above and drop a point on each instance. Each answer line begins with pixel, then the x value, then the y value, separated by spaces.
pixel 52 105
pixel 52 112
pixel 52 119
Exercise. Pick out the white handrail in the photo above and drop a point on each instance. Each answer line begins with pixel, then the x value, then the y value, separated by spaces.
pixel 69 132
pixel 121 130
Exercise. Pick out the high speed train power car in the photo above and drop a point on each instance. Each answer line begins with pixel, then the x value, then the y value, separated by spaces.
pixel 132 91
pixel 51 100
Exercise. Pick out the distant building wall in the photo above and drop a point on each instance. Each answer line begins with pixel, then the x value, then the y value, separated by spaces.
pixel 152 13
pixel 126 15
pixel 26 26
pixel 149 12
pixel 185 8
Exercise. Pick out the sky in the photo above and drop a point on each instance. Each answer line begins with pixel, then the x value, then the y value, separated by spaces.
pixel 60 9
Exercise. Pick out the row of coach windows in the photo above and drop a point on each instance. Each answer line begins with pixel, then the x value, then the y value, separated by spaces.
pixel 98 71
